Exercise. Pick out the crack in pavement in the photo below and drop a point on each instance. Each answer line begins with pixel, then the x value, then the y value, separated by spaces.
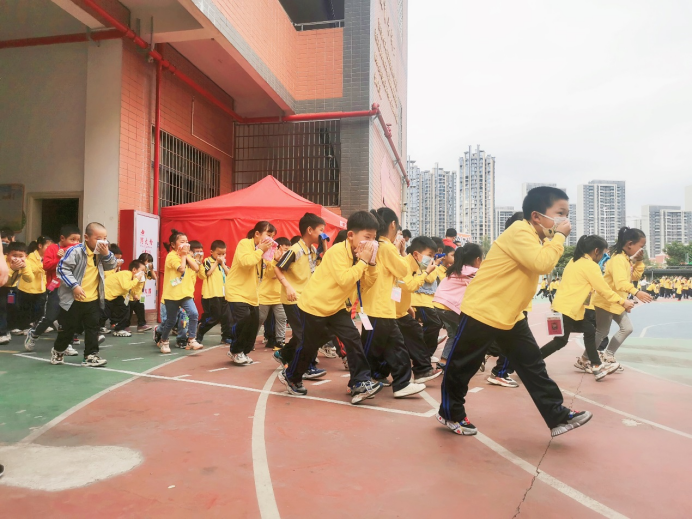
pixel 536 474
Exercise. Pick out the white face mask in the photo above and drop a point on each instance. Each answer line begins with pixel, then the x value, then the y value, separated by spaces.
pixel 425 261
pixel 550 232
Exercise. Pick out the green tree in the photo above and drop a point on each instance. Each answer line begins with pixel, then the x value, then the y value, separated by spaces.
pixel 678 253
pixel 646 259
pixel 485 245
pixel 566 257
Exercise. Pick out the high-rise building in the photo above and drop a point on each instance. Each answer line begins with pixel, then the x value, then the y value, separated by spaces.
pixel 601 209
pixel 503 213
pixel 664 225
pixel 526 186
pixel 572 239
pixel 431 205
pixel 477 194
pixel 687 198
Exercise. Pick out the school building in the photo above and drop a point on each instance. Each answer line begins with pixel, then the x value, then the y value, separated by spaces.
pixel 139 104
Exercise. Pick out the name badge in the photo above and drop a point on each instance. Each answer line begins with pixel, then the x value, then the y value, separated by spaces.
pixel 142 299
pixel 396 294
pixel 11 298
pixel 127 299
pixel 365 321
pixel 554 324
pixel 176 281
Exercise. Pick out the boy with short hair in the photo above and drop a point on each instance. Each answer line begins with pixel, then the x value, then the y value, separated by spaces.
pixel 422 298
pixel 18 270
pixel 7 237
pixel 492 311
pixel 81 272
pixel 214 306
pixel 118 287
pixel 322 308
pixel 450 236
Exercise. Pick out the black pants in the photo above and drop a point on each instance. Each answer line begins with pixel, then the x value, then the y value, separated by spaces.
pixel 415 344
pixel 503 367
pixel 520 347
pixel 51 312
pixel 137 308
pixel 321 330
pixel 245 320
pixel 293 317
pixel 5 308
pixel 118 313
pixel 270 330
pixel 569 326
pixel 214 311
pixel 385 344
pixel 30 309
pixel 431 327
pixel 81 316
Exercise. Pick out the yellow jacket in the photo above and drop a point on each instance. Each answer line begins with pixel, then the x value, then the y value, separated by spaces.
pixel 412 282
pixel 619 275
pixel 376 289
pixel 22 274
pixel 120 284
pixel 507 279
pixel 270 291
pixel 333 282
pixel 419 299
pixel 246 271
pixel 579 279
pixel 34 263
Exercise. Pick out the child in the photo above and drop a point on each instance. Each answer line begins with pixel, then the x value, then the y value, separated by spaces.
pixel 81 272
pixel 115 249
pixel 293 271
pixel 178 292
pixel 118 287
pixel 136 305
pixel 269 296
pixel 18 270
pixel 247 271
pixel 70 235
pixel 384 340
pixel 450 236
pixel 492 310
pixel 582 276
pixel 422 300
pixel 619 274
pixel 7 237
pixel 420 254
pixel 214 308
pixel 32 296
pixel 323 308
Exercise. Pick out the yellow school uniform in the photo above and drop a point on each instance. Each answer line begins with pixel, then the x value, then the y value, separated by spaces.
pixel 180 290
pixel 411 283
pixel 246 270
pixel 270 291
pixel 297 264
pixel 14 277
pixel 426 300
pixel 34 263
pixel 507 279
pixel 212 285
pixel 619 275
pixel 651 287
pixel 120 284
pixel 90 281
pixel 678 286
pixel 667 284
pixel 543 285
pixel 330 286
pixel 579 279
pixel 377 286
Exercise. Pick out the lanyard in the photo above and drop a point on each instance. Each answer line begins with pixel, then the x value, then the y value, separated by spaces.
pixel 358 291
pixel 262 270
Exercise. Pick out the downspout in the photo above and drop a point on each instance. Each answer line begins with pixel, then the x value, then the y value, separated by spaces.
pixel 157 139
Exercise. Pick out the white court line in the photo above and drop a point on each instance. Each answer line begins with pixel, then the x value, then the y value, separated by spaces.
pixel 643 331
pixel 559 486
pixel 218 369
pixel 321 382
pixel 266 500
pixel 475 389
pixel 346 375
pixel 132 359
pixel 140 343
pixel 625 414
pixel 181 377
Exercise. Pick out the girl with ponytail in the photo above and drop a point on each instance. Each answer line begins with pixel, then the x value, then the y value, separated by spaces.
pixel 581 277
pixel 623 268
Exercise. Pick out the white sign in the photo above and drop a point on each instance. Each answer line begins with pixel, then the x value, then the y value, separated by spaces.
pixel 146 236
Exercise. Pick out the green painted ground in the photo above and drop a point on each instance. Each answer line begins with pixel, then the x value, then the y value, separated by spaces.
pixel 34 392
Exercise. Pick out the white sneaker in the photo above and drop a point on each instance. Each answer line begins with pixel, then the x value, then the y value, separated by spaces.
pixel 583 365
pixel 4 340
pixel 69 351
pixel 608 357
pixel 93 360
pixel 238 359
pixel 49 329
pixel 16 332
pixel 435 359
pixel 410 389
pixel 57 357
pixel 122 334
pixel 604 370
pixel 328 352
pixel 248 360
pixel 164 347
pixel 104 330
pixel 193 344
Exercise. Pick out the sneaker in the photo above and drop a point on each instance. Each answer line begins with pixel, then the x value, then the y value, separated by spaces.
pixel 608 357
pixel 238 359
pixel 93 360
pixel 463 427
pixel 428 375
pixel 69 351
pixel 4 340
pixel 574 420
pixel 57 357
pixel 345 362
pixel 157 336
pixel 18 332
pixel 314 373
pixel 440 366
pixel 410 389
pixel 604 370
pixel 76 341
pixel 364 390
pixel 383 381
pixel 122 334
pixel 248 360
pixel 144 328
pixel 434 359
pixel 328 352
pixel 277 356
pixel 193 344
pixel 482 368
pixel 583 365
pixel 506 381
pixel 164 347
pixel 29 342
pixel 292 388
pixel 104 330
pixel 49 329
pixel 181 344
pixel 102 338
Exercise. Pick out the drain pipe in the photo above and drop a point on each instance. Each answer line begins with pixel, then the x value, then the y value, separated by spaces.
pixel 157 139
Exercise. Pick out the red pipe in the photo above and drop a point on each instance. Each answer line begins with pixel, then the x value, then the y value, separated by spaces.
pixel 157 139
pixel 109 34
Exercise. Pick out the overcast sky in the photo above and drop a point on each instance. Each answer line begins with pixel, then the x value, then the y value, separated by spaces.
pixel 557 91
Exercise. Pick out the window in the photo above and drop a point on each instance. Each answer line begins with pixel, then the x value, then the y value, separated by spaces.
pixel 186 174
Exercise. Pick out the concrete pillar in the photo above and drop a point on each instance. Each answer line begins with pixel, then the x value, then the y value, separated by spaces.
pixel 102 135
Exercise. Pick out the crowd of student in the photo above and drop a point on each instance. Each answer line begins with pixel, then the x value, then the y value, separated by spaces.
pixel 402 295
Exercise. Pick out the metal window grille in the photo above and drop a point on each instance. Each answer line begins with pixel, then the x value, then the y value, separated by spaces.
pixel 186 174
pixel 304 156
